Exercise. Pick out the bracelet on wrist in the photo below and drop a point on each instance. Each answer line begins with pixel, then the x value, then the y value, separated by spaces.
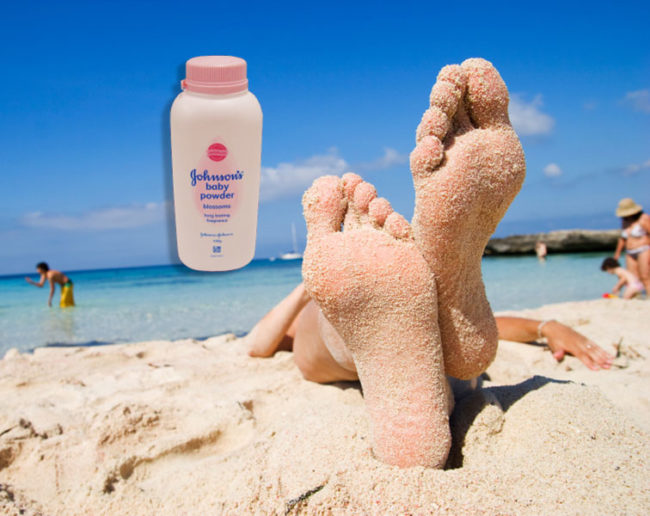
pixel 541 326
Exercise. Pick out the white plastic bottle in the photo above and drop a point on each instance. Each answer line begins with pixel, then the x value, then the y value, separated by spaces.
pixel 216 137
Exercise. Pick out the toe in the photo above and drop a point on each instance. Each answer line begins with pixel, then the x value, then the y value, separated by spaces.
pixel 397 226
pixel 434 123
pixel 324 205
pixel 446 96
pixel 350 182
pixel 487 95
pixel 379 209
pixel 426 156
pixel 364 194
pixel 449 89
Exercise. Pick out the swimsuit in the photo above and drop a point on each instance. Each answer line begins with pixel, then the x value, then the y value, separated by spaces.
pixel 637 250
pixel 637 285
pixel 635 231
pixel 67 298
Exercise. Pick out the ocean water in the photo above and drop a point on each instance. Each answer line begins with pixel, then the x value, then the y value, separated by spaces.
pixel 173 302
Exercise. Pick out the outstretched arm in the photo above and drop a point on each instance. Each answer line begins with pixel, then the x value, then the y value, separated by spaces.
pixel 561 340
pixel 40 283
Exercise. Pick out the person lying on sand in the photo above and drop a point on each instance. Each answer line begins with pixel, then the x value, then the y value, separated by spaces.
pixel 276 331
pixel 54 277
pixel 397 305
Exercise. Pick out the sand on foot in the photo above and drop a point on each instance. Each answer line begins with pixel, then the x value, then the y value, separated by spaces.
pixel 199 427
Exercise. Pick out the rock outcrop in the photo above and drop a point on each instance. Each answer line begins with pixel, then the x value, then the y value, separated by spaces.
pixel 563 241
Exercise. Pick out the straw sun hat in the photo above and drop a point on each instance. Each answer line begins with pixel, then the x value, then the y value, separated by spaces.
pixel 627 207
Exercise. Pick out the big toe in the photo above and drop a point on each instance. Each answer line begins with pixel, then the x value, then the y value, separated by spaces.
pixel 324 205
pixel 487 95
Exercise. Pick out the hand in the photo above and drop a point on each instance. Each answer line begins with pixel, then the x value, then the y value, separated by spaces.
pixel 562 339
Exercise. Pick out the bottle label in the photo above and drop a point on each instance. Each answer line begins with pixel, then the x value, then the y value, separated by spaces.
pixel 217 184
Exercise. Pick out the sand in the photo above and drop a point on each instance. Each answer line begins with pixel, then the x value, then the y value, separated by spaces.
pixel 198 427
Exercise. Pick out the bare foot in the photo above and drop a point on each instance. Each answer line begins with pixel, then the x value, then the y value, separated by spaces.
pixel 376 290
pixel 468 166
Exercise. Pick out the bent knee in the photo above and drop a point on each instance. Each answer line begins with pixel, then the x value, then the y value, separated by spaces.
pixel 311 371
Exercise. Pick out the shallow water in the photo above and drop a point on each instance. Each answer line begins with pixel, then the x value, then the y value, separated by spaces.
pixel 173 302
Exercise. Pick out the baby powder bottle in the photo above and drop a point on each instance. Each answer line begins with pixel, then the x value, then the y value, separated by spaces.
pixel 216 140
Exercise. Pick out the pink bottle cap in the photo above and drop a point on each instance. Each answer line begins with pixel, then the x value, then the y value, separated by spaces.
pixel 215 74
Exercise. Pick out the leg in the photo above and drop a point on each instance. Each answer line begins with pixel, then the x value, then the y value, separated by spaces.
pixel 631 263
pixel 67 296
pixel 273 333
pixel 312 356
pixel 644 271
pixel 467 167
pixel 630 292
pixel 378 293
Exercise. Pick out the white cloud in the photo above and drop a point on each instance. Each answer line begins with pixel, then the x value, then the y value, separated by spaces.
pixel 288 179
pixel 552 170
pixel 590 105
pixel 293 178
pixel 635 168
pixel 390 158
pixel 118 217
pixel 639 100
pixel 526 117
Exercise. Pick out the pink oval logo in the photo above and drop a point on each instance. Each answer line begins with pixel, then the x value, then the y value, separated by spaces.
pixel 217 152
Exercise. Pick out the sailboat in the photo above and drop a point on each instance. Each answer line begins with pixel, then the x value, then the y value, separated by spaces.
pixel 294 254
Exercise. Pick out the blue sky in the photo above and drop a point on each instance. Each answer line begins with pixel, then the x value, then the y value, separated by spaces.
pixel 86 89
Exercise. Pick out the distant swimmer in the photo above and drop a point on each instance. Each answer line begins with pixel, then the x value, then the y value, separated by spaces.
pixel 540 250
pixel 54 277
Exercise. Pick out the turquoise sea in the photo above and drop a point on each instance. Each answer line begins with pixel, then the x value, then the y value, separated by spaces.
pixel 173 302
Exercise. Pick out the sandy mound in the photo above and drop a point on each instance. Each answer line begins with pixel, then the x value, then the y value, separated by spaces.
pixel 193 427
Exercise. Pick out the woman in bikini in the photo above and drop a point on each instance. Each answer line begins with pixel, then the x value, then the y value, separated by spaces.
pixel 635 239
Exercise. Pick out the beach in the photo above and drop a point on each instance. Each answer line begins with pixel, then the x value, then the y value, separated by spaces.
pixel 199 427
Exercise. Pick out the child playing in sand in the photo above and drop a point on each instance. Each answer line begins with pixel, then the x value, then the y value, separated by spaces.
pixel 632 284
pixel 54 277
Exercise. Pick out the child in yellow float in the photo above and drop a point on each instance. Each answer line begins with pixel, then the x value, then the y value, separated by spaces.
pixel 54 277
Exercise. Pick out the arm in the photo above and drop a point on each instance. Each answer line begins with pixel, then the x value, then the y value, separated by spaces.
pixel 40 283
pixel 619 248
pixel 561 340
pixel 517 329
pixel 49 300
pixel 618 286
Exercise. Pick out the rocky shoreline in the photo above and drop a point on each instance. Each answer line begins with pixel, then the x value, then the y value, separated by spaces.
pixel 563 241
